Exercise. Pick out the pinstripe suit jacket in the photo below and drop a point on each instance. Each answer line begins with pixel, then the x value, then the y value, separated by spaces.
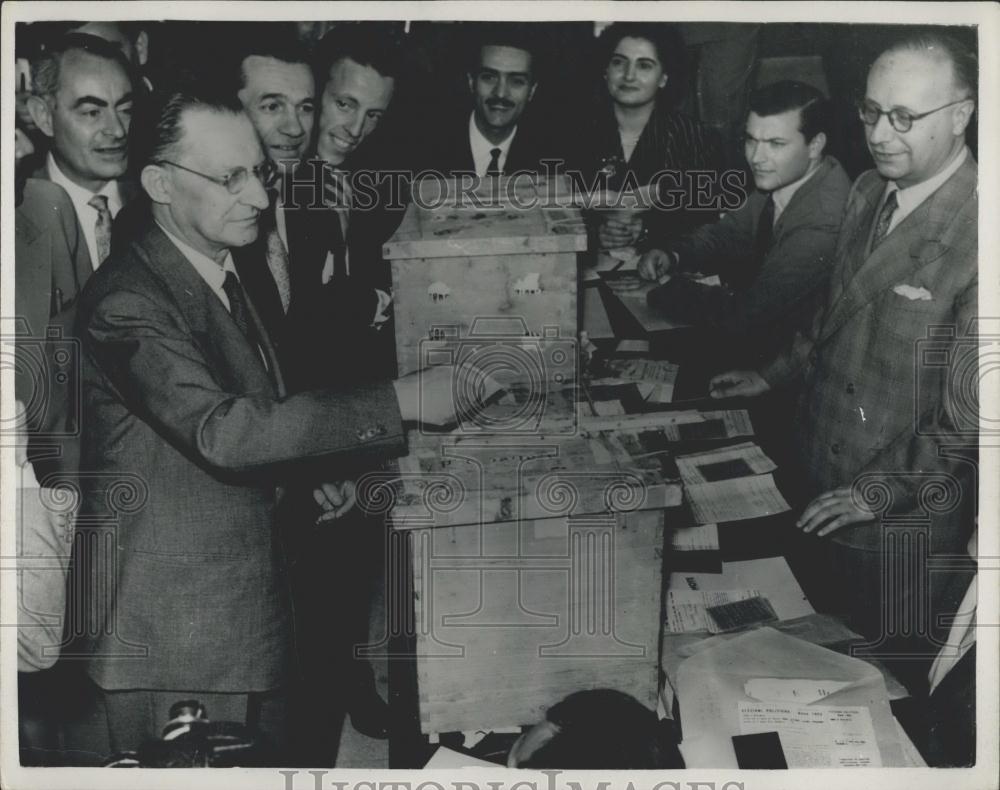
pixel 888 399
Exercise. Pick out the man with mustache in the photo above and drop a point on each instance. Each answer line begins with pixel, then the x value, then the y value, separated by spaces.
pixel 82 100
pixel 774 252
pixel 494 138
pixel 888 417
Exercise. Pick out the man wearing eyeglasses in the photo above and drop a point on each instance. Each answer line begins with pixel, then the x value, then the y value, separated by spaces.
pixel 879 413
pixel 186 413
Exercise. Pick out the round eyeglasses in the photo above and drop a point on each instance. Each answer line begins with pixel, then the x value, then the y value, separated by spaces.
pixel 235 180
pixel 901 120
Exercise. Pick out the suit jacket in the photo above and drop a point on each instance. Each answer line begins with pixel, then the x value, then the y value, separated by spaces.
pixel 51 265
pixel 127 190
pixel 447 149
pixel 875 407
pixel 761 309
pixel 185 419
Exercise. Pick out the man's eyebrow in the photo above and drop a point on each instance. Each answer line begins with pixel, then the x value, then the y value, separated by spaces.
pixel 128 97
pixel 89 100
pixel 267 96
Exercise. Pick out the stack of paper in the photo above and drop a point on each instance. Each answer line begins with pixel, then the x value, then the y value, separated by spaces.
pixel 723 463
pixel 735 500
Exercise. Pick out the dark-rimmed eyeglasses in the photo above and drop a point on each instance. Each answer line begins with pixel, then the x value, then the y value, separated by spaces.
pixel 901 120
pixel 235 180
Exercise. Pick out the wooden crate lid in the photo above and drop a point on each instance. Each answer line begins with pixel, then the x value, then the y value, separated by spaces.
pixel 505 217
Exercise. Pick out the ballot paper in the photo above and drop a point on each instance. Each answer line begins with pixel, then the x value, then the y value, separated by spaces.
pixel 687 610
pixel 724 463
pixel 702 537
pixel 735 500
pixel 801 691
pixel 654 379
pixel 445 758
pixel 816 736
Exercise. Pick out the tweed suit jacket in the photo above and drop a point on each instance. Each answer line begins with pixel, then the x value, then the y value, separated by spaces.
pixel 181 408
pixel 874 404
pixel 761 308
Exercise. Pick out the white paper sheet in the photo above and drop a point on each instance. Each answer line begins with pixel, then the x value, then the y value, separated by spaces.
pixel 816 736
pixel 686 608
pixel 691 467
pixel 735 500
pixel 445 758
pixel 704 537
pixel 798 691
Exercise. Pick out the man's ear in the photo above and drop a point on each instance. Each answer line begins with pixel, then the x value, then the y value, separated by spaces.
pixel 531 93
pixel 156 182
pixel 142 47
pixel 961 116
pixel 472 83
pixel 663 82
pixel 816 145
pixel 41 114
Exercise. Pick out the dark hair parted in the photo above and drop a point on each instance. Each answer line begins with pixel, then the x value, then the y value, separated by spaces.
pixel 277 40
pixel 46 66
pixel 665 38
pixel 160 128
pixel 516 35
pixel 601 729
pixel 964 58
pixel 372 44
pixel 815 114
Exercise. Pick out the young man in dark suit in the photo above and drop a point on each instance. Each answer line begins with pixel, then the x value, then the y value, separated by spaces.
pixel 774 253
pixel 884 430
pixel 187 415
pixel 495 136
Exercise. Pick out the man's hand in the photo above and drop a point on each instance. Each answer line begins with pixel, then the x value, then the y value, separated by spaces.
pixel 654 264
pixel 738 384
pixel 831 511
pixel 335 499
pixel 428 396
pixel 618 232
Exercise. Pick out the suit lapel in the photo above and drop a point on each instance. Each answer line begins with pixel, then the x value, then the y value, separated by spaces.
pixel 207 316
pixel 914 243
pixel 802 198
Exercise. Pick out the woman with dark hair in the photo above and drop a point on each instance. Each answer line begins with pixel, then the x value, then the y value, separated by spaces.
pixel 637 134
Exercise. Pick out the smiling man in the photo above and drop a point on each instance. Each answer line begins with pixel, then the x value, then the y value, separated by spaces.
pixel 775 252
pixel 83 94
pixel 881 422
pixel 494 137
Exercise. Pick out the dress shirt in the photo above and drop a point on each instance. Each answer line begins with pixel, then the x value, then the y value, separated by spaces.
pixel 783 195
pixel 209 269
pixel 909 198
pixel 85 213
pixel 481 148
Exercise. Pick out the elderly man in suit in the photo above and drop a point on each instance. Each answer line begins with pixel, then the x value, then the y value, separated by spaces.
pixel 83 93
pixel 185 407
pixel 775 251
pixel 880 425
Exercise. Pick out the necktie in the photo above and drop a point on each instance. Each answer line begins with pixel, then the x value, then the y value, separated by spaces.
pixel 765 230
pixel 277 260
pixel 493 168
pixel 238 307
pixel 102 229
pixel 337 197
pixel 884 219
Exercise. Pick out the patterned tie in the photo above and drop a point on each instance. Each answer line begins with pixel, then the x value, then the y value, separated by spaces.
pixel 277 259
pixel 885 219
pixel 493 168
pixel 102 229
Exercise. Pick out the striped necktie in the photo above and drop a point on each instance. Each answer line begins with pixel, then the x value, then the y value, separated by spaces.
pixel 885 219
pixel 102 228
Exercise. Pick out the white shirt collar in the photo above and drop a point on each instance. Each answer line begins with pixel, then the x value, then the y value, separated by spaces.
pixel 909 198
pixel 211 272
pixel 783 195
pixel 481 147
pixel 77 193
pixel 80 198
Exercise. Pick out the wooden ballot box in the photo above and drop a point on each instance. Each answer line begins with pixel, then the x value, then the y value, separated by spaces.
pixel 537 572
pixel 488 273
